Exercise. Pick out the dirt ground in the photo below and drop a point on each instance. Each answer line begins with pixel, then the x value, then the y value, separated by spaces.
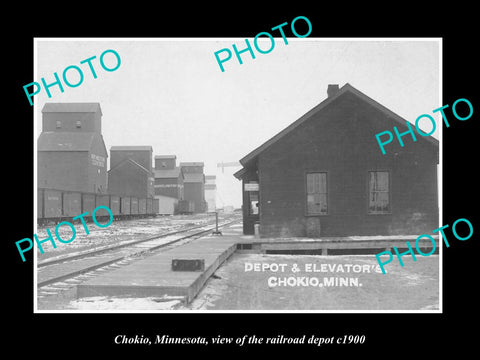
pixel 412 287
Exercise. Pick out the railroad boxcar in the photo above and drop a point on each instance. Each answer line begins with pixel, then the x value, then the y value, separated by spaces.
pixel 133 205
pixel 150 206
pixel 185 207
pixel 52 204
pixel 88 203
pixel 102 200
pixel 125 205
pixel 181 206
pixel 72 204
pixel 142 206
pixel 115 205
pixel 40 204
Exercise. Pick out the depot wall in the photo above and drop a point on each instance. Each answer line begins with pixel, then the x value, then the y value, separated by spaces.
pixel 338 141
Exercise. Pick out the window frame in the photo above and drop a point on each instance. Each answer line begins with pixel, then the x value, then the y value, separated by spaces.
pixel 250 208
pixel 389 211
pixel 247 194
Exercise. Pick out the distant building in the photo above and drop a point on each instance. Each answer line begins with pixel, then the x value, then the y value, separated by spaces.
pixel 192 167
pixel 168 183
pixel 210 192
pixel 165 162
pixel 325 175
pixel 130 171
pixel 194 185
pixel 142 155
pixel 167 205
pixel 71 152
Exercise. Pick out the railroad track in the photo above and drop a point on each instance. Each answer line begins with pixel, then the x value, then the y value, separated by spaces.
pixel 61 274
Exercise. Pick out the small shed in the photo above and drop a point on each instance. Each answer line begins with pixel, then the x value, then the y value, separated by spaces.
pixel 166 205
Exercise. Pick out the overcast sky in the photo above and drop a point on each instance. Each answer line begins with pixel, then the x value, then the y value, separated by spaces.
pixel 171 94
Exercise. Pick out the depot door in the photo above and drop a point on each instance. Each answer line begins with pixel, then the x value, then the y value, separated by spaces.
pixel 251 203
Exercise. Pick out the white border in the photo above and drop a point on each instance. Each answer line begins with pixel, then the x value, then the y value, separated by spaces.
pixel 439 176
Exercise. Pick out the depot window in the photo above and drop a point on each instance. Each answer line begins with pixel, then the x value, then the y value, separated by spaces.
pixel 253 208
pixel 379 192
pixel 317 193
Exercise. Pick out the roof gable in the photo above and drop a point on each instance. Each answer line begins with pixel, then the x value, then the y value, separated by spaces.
pixel 69 141
pixel 131 148
pixel 65 141
pixel 72 107
pixel 347 88
pixel 131 163
pixel 191 164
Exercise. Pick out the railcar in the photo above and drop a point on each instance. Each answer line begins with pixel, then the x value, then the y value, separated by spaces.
pixel 54 206
pixel 185 207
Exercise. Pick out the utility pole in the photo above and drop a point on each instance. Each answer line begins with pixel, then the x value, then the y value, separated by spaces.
pixel 223 165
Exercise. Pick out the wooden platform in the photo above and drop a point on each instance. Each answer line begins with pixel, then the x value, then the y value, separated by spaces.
pixel 379 243
pixel 154 277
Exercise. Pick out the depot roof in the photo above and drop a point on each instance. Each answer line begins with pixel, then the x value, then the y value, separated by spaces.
pixel 344 89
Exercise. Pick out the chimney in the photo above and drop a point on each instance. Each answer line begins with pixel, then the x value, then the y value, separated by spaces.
pixel 332 90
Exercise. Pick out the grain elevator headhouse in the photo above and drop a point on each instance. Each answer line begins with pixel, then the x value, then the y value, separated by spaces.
pixel 71 151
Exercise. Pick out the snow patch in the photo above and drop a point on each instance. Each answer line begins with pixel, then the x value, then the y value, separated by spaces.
pixel 132 304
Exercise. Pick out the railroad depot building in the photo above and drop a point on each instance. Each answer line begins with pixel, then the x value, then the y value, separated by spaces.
pixel 325 175
pixel 71 151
